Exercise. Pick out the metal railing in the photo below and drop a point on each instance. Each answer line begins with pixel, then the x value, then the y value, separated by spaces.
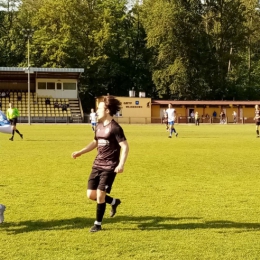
pixel 45 119
pixel 138 120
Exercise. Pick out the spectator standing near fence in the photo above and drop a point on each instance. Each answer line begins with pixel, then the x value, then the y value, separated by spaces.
pixel 197 118
pixel 93 119
pixel 222 117
pixel 171 112
pixel 109 140
pixel 12 115
pixel 234 114
pixel 257 119
pixel 214 115
pixel 192 115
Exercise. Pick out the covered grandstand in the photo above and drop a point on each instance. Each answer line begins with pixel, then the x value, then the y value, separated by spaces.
pixel 44 95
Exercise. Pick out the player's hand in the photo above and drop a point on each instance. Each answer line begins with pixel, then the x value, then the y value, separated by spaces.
pixel 74 155
pixel 119 169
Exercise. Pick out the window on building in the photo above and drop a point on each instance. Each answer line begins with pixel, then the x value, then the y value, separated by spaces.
pixel 41 85
pixel 59 86
pixel 69 86
pixel 51 85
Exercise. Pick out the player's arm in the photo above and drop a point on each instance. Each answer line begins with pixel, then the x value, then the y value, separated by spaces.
pixel 123 156
pixel 86 149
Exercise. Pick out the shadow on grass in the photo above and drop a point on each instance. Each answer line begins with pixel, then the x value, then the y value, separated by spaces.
pixel 40 225
pixel 51 140
pixel 132 223
pixel 203 137
pixel 159 223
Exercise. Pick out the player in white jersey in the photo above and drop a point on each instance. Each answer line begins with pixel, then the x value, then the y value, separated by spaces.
pixel 171 112
pixel 93 119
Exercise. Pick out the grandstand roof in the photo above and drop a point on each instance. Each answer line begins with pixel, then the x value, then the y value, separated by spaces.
pixel 205 102
pixel 19 73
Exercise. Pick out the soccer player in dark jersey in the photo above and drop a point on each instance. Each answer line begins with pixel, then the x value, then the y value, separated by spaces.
pixel 109 140
pixel 257 119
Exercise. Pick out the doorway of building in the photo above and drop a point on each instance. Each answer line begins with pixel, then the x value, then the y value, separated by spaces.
pixel 191 115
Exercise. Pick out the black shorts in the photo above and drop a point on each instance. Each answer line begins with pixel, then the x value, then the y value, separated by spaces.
pixel 257 122
pixel 13 121
pixel 102 180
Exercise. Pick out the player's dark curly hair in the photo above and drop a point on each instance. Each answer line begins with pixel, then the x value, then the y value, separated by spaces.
pixel 112 104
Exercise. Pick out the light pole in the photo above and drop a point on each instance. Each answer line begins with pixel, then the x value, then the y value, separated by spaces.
pixel 28 33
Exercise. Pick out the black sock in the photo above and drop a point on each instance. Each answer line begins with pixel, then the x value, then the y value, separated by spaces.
pixel 108 199
pixel 174 130
pixel 17 132
pixel 12 132
pixel 100 211
pixel 257 132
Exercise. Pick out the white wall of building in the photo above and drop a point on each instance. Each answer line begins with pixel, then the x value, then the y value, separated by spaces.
pixel 57 88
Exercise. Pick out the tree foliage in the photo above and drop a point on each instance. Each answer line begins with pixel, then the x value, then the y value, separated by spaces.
pixel 173 49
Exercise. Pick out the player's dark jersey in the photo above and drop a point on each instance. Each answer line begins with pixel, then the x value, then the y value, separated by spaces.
pixel 257 115
pixel 108 138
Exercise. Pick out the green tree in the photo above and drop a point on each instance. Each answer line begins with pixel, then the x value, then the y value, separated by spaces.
pixel 192 41
pixel 176 34
pixel 10 55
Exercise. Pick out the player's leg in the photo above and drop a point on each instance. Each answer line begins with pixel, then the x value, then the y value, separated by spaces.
pixel 166 124
pixel 174 130
pixel 92 194
pixel 16 130
pixel 170 129
pixel 93 183
pixel 257 129
pixel 100 210
pixel 13 130
pixel 108 180
pixel 104 187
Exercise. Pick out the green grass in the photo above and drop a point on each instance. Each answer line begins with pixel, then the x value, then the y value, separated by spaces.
pixel 192 197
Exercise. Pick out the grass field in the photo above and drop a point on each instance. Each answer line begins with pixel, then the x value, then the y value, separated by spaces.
pixel 192 197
